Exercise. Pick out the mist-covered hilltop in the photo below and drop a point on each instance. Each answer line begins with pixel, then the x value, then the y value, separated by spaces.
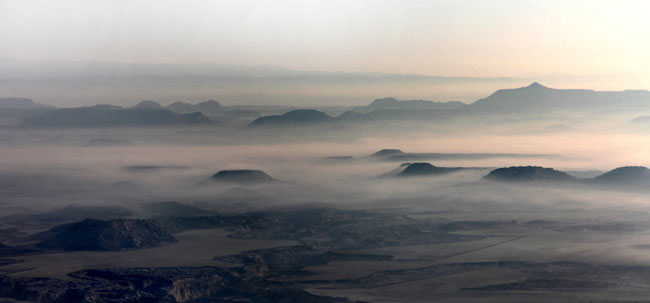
pixel 242 176
pixel 630 176
pixel 529 174
pixel 627 177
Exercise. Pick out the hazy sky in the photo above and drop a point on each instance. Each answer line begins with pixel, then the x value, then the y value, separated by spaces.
pixel 450 38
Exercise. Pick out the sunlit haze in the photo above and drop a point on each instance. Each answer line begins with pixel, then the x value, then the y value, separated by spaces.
pixel 588 44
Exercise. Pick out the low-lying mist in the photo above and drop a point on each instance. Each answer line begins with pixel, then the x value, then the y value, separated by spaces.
pixel 54 169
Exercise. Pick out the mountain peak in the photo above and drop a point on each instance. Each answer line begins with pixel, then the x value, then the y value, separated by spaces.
pixel 536 85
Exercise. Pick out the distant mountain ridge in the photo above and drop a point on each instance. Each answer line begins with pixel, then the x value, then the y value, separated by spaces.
pixel 21 103
pixel 112 116
pixel 537 97
pixel 534 99
pixel 15 110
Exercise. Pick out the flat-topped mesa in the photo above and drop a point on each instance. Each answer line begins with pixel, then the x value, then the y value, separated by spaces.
pixel 242 176
pixel 426 169
pixel 529 174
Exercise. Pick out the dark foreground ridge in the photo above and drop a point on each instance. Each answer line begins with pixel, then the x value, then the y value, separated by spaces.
pixel 91 234
pixel 282 274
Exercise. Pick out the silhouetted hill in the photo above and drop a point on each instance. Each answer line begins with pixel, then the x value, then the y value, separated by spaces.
pixel 242 176
pixel 539 99
pixel 529 174
pixel 208 107
pixel 624 176
pixel 300 117
pixel 181 107
pixel 352 116
pixel 21 103
pixel 111 116
pixel 426 169
pixel 91 234
pixel 147 104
